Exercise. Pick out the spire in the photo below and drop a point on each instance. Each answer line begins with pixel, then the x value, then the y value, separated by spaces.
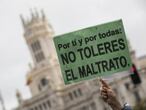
pixel 2 102
pixel 32 14
pixel 36 16
pixel 22 20
pixel 36 13
pixel 43 14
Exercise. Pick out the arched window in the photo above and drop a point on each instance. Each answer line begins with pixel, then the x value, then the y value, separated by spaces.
pixel 37 50
pixel 44 81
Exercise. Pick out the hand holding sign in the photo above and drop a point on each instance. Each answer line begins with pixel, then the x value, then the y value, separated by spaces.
pixel 109 96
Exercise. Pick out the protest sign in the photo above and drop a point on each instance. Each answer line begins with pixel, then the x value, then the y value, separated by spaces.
pixel 95 51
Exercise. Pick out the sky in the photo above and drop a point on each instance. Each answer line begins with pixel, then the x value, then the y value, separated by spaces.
pixel 64 16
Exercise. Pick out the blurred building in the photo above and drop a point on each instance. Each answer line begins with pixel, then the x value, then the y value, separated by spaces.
pixel 45 81
pixel 142 62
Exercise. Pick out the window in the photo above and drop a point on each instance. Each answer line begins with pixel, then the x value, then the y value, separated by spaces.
pixel 75 93
pixel 44 82
pixel 45 106
pixel 71 96
pixel 49 103
pixel 39 56
pixel 80 92
pixel 37 50
pixel 36 46
pixel 36 108
pixel 40 106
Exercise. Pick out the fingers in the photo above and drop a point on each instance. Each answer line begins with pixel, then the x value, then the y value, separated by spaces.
pixel 104 83
pixel 105 90
pixel 104 93
pixel 108 95
pixel 104 96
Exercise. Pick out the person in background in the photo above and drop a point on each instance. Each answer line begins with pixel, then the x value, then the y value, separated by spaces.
pixel 110 97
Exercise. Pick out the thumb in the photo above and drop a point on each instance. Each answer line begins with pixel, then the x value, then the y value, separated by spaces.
pixel 104 83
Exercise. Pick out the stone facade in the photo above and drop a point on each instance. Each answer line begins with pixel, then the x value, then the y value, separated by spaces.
pixel 142 62
pixel 45 81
